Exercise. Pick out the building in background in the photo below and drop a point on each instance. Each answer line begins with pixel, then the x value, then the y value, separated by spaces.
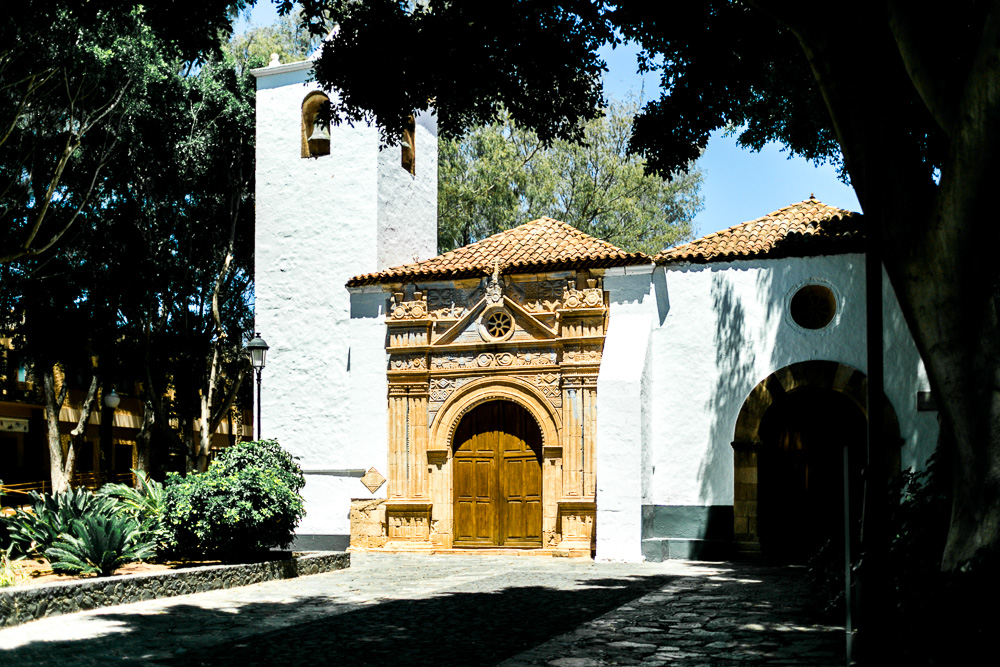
pixel 542 389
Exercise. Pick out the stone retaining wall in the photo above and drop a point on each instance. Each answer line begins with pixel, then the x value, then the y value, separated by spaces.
pixel 20 605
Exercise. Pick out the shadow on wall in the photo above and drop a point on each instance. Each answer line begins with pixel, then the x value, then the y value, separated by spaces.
pixel 734 370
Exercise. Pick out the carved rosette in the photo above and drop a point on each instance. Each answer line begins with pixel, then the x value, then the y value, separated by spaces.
pixel 407 362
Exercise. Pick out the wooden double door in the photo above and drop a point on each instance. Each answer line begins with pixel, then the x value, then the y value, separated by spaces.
pixel 497 477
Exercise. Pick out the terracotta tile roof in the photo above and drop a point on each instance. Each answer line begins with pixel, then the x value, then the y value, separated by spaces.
pixel 540 245
pixel 801 230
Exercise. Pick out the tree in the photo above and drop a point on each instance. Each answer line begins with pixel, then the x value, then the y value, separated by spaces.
pixel 905 99
pixel 500 175
pixel 153 279
pixel 176 232
pixel 69 73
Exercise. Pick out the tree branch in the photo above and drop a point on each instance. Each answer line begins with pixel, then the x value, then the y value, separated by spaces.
pixel 230 399
pixel 86 408
pixel 919 52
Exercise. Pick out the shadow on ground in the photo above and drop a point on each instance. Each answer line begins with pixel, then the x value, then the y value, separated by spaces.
pixel 456 628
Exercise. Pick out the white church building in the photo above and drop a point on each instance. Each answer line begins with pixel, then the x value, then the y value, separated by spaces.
pixel 542 389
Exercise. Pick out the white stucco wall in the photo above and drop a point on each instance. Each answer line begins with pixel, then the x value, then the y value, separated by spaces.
pixel 317 225
pixel 727 329
pixel 407 203
pixel 624 391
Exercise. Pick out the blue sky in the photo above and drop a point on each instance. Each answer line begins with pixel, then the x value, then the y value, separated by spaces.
pixel 739 185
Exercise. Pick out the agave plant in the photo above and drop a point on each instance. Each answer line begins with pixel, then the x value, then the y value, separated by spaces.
pixel 145 505
pixel 98 545
pixel 33 531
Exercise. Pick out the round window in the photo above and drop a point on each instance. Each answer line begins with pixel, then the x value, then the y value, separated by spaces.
pixel 813 306
pixel 498 324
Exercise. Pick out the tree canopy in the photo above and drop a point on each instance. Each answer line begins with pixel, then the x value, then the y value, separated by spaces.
pixel 145 272
pixel 500 175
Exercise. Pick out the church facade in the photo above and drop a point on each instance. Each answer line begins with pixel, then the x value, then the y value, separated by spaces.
pixel 545 390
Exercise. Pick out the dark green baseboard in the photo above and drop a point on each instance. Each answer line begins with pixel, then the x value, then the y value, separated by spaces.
pixel 696 532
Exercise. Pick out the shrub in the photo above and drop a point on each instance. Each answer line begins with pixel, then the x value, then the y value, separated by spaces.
pixel 98 545
pixel 33 532
pixel 8 575
pixel 145 506
pixel 246 502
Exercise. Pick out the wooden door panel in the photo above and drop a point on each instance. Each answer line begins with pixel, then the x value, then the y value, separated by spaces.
pixel 497 477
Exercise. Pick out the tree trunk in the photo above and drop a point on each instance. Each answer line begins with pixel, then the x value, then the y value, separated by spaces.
pixel 143 441
pixel 61 458
pixel 938 239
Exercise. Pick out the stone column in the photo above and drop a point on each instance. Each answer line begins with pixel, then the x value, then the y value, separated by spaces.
pixel 745 496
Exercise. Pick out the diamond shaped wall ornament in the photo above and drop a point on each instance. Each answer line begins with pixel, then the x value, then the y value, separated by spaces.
pixel 373 479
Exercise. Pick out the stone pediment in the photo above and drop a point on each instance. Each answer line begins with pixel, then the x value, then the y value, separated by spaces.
pixel 503 321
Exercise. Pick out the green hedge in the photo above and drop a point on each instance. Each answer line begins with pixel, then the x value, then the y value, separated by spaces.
pixel 247 501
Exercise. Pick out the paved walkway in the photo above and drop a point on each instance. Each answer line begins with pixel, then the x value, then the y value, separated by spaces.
pixel 462 611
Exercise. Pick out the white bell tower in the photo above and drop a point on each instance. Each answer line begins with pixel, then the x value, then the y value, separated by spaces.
pixel 327 210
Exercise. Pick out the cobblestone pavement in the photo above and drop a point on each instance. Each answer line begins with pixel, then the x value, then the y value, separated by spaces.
pixel 462 611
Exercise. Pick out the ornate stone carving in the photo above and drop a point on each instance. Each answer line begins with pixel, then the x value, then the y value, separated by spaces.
pixel 407 362
pixel 442 388
pixel 548 384
pixel 536 358
pixel 452 362
pixel 407 389
pixel 543 296
pixel 409 310
pixel 579 382
pixel 590 297
pixel 494 290
pixel 452 303
pixel 373 480
pixel 513 359
pixel 408 526
pixel 582 354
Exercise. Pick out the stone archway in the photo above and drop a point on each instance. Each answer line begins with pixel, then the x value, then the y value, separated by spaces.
pixel 749 436
pixel 441 454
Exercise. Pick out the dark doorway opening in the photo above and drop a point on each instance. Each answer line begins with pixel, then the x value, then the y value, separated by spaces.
pixel 801 473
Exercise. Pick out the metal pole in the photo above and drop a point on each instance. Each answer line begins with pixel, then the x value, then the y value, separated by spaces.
pixel 847 555
pixel 259 371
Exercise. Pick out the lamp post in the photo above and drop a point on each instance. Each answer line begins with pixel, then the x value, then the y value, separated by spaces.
pixel 258 351
pixel 106 444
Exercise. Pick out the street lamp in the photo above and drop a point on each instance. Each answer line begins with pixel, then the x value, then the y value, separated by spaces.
pixel 112 400
pixel 258 350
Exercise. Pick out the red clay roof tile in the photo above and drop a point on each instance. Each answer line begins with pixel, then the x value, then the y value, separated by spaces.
pixel 540 245
pixel 801 230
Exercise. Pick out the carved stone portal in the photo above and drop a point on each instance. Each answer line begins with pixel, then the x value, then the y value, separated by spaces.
pixel 453 345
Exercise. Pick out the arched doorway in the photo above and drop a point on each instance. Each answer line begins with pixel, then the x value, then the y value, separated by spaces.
pixel 800 469
pixel 497 459
pixel 787 456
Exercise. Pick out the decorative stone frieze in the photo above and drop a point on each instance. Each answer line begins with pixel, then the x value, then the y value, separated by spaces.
pixel 408 362
pixel 576 524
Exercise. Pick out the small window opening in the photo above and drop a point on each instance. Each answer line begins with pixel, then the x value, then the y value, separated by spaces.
pixel 813 306
pixel 315 130
pixel 409 161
